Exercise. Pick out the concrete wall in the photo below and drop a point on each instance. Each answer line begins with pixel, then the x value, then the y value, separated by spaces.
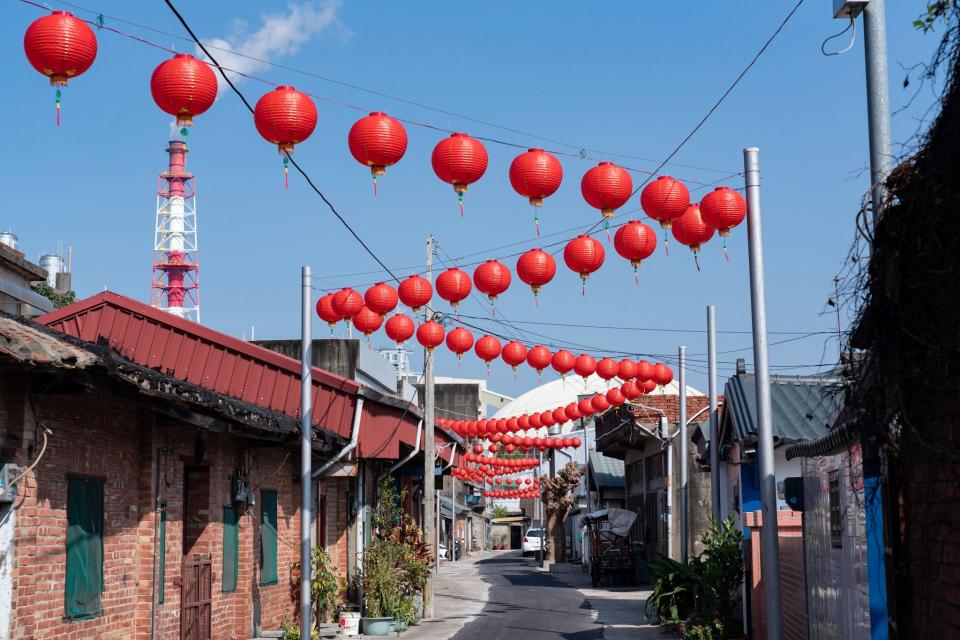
pixel 458 401
pixel 792 581
pixel 337 356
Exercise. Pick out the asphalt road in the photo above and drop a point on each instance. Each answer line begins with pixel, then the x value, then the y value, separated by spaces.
pixel 527 604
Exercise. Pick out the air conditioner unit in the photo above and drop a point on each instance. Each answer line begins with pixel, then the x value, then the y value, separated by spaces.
pixel 8 490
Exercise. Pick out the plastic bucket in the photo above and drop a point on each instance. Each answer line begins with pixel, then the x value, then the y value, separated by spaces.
pixel 350 623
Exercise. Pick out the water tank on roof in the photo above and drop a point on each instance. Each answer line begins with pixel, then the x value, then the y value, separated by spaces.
pixel 9 238
pixel 53 264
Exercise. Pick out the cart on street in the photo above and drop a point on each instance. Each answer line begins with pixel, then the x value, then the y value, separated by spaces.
pixel 611 558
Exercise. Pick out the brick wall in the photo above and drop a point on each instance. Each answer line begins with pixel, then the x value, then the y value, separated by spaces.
pixel 102 436
pixel 792 584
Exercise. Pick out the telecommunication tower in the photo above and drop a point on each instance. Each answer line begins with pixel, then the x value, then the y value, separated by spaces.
pixel 175 283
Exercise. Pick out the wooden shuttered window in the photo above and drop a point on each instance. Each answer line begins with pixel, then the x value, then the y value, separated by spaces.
pixel 84 575
pixel 268 537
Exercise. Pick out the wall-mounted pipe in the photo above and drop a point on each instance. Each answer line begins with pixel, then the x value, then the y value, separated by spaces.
pixel 354 438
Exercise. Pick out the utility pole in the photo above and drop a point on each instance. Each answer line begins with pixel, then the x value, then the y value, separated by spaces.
pixel 769 542
pixel 453 518
pixel 306 445
pixel 878 99
pixel 682 434
pixel 430 507
pixel 540 510
pixel 714 414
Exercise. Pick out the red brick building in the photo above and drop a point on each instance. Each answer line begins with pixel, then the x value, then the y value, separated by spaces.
pixel 160 483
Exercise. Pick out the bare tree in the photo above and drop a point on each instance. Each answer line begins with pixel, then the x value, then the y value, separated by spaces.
pixel 557 497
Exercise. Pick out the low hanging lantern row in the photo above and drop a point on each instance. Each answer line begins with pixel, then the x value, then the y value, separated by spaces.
pixel 377 141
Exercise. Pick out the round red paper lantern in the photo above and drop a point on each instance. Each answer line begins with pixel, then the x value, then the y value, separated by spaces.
pixel 562 362
pixel 460 161
pixel 627 369
pixel 415 292
pixel 493 448
pixel 285 117
pixel 607 368
pixel 546 418
pixel 606 187
pixel 691 230
pixel 459 341
pixel 536 268
pixel 662 374
pixel 367 321
pixel 514 354
pixel 723 209
pixel 599 403
pixel 183 87
pixel 430 334
pixel 491 278
pixel 559 415
pixel 511 424
pixel 572 411
pixel 615 397
pixel 509 448
pixel 585 406
pixel 576 442
pixel 539 358
pixel 381 298
pixel 399 328
pixel 487 349
pixel 377 141
pixel 644 370
pixel 535 174
pixel 585 365
pixel 630 390
pixel 636 242
pixel 347 303
pixel 478 449
pixel 523 421
pixel 453 285
pixel 326 312
pixel 664 200
pixel 647 386
pixel 60 46
pixel 583 256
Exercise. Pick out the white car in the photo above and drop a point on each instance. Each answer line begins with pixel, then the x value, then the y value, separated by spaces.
pixel 532 540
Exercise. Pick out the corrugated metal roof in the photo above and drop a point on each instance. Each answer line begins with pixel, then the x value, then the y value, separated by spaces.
pixel 607 472
pixel 802 407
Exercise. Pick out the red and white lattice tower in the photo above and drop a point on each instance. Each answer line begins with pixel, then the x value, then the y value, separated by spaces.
pixel 175 285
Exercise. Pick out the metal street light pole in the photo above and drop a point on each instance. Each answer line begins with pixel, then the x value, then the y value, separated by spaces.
pixel 306 445
pixel 878 99
pixel 769 542
pixel 714 414
pixel 682 382
pixel 430 498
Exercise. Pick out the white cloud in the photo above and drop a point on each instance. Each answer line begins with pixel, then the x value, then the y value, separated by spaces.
pixel 280 34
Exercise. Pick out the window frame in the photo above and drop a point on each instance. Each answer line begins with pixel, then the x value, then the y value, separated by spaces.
pixel 236 550
pixel 266 579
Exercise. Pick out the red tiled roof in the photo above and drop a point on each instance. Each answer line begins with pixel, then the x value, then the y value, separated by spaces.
pixel 193 353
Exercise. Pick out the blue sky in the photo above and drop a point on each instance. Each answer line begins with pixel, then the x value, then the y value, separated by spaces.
pixel 632 78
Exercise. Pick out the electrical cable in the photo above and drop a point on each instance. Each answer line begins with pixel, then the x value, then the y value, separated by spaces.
pixel 853 39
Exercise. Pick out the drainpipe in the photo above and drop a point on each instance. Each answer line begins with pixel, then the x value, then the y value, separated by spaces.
pixel 413 453
pixel 664 425
pixel 354 438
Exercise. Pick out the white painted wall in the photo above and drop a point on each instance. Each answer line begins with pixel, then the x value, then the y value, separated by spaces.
pixel 7 523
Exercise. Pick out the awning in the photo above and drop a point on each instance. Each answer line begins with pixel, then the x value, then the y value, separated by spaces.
pixel 445 507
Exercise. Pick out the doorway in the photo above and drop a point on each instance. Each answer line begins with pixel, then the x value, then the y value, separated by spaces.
pixel 196 599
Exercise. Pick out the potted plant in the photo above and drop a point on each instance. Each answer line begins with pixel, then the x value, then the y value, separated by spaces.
pixel 403 615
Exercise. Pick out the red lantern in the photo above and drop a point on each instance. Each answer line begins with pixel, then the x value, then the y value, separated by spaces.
pixel 415 292
pixel 487 349
pixel 607 368
pixel 644 370
pixel 493 448
pixel 536 175
pixel 576 442
pixel 627 369
pixel 662 374
pixel 492 279
pixel 381 298
pixel 459 341
pixel 723 209
pixel 563 362
pixel 546 418
pixel 615 397
pixel 583 255
pixel 523 421
pixel 599 403
pixel 285 117
pixel 559 415
pixel 461 161
pixel 536 268
pixel 665 199
pixel 630 390
pixel 511 424
pixel 477 449
pixel 430 334
pixel 606 187
pixel 347 303
pixel 647 386
pixel 586 408
pixel 585 365
pixel 399 328
pixel 453 285
pixel 514 354
pixel 367 321
pixel 327 313
pixel 572 411
pixel 691 230
pixel 636 242
pixel 509 448
pixel 183 87
pixel 539 358
pixel 60 46
pixel 377 141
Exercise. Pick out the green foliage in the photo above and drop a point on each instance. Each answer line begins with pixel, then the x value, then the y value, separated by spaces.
pixel 404 611
pixel 325 588
pixel 58 299
pixel 499 511
pixel 291 631
pixel 935 11
pixel 701 595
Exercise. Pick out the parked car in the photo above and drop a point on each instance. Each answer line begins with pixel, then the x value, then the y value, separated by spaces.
pixel 532 541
